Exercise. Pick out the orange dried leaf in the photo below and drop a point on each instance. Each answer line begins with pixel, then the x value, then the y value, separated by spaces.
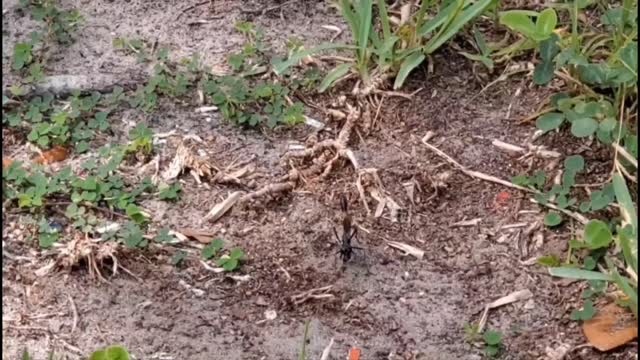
pixel 56 154
pixel 354 354
pixel 6 162
pixel 502 198
pixel 612 326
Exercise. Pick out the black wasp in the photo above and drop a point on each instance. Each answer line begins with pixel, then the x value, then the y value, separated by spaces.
pixel 348 233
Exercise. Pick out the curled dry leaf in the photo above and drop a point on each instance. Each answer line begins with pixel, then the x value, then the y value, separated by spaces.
pixel 612 327
pixel 202 236
pixel 185 159
pixel 57 154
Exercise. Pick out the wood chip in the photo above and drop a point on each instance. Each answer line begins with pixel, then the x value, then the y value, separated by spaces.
pixel 221 208
pixel 408 249
pixel 202 236
pixel 464 223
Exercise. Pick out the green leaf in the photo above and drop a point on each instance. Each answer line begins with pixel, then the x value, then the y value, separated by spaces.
pixel 485 60
pixel 334 75
pixel 583 127
pixel 135 213
pixel 552 219
pixel 453 22
pixel 230 265
pixel 587 312
pixel 574 163
pixel 589 263
pixel 492 337
pixel 491 350
pixel 111 353
pixel 549 261
pixel 212 249
pixel 163 236
pixel 132 235
pixel 546 22
pixel 597 234
pixel 236 253
pixel 410 63
pixel 519 21
pixel 543 73
pixel 46 240
pixel 22 55
pixel 573 273
pixel 550 121
pixel 170 192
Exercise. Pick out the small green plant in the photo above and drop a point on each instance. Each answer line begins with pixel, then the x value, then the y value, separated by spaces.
pixel 141 140
pixel 30 57
pixel 389 53
pixel 99 189
pixel 111 353
pixel 597 235
pixel 471 333
pixel 493 342
pixel 164 237
pixel 231 262
pixel 74 121
pixel 586 313
pixel 212 249
pixel 178 258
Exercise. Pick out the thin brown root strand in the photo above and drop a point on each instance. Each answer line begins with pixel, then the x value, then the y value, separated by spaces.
pixel 271 189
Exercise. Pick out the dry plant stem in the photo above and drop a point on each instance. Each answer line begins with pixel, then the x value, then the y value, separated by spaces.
pixel 566 77
pixel 74 309
pixel 327 351
pixel 493 179
pixel 622 151
pixel 475 174
pixel 536 115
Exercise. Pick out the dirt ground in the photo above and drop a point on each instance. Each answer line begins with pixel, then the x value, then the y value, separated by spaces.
pixel 389 305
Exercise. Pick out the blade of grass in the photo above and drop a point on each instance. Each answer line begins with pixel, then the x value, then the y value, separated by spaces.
pixel 438 20
pixel 573 273
pixel 623 284
pixel 384 19
pixel 458 21
pixel 364 28
pixel 296 57
pixel 303 351
pixel 333 76
pixel 624 198
pixel 350 16
pixel 407 66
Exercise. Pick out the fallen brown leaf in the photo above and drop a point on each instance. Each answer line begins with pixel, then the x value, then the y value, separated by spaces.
pixel 6 162
pixel 56 154
pixel 612 326
pixel 200 235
